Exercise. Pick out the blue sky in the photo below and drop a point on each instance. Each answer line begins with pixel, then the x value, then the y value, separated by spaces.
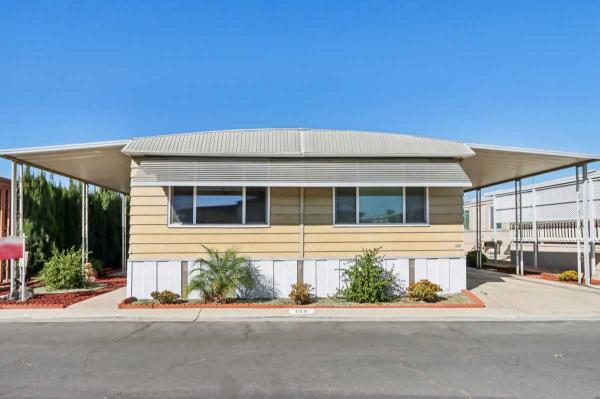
pixel 511 73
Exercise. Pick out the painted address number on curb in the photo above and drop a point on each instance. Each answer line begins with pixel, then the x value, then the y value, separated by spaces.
pixel 301 311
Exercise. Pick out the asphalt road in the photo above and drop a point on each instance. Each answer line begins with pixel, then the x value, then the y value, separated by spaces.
pixel 300 359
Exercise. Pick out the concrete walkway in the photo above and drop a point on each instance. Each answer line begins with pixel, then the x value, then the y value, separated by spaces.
pixel 506 297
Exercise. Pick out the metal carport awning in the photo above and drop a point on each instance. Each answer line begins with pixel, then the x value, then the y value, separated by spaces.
pixel 187 171
pixel 101 164
pixel 493 165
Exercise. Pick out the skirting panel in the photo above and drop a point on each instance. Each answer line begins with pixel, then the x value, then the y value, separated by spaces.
pixel 274 278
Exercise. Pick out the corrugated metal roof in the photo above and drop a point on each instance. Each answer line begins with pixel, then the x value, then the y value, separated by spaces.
pixel 296 143
pixel 171 171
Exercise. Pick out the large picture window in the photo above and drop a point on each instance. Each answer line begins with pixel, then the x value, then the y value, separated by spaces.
pixel 380 205
pixel 219 206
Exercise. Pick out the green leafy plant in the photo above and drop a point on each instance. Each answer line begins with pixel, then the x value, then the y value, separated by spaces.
pixel 98 265
pixel 63 270
pixel 367 281
pixel 221 275
pixel 568 275
pixel 472 258
pixel 300 293
pixel 165 296
pixel 424 290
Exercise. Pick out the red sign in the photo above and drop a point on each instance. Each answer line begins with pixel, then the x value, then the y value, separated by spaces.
pixel 11 247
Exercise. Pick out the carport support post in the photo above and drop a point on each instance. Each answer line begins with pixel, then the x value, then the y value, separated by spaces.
pixel 123 232
pixel 578 226
pixel 586 226
pixel 516 229
pixel 13 222
pixel 521 260
pixel 478 226
pixel 22 261
pixel 84 224
pixel 535 227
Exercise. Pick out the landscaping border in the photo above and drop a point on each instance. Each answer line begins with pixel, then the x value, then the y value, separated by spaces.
pixel 476 303
pixel 554 277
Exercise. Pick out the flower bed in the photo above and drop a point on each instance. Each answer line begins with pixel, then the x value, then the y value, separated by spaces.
pixel 457 301
pixel 554 277
pixel 59 300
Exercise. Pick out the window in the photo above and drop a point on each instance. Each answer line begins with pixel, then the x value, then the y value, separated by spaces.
pixel 182 205
pixel 219 206
pixel 380 205
pixel 491 217
pixel 345 205
pixel 466 220
pixel 416 205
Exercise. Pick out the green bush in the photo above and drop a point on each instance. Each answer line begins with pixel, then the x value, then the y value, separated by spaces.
pixel 63 270
pixel 569 275
pixel 165 296
pixel 472 258
pixel 97 264
pixel 367 281
pixel 221 275
pixel 300 293
pixel 424 290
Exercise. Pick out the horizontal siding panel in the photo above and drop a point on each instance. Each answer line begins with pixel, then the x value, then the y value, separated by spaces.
pixel 149 192
pixel 384 237
pixel 144 201
pixel 208 239
pixel 382 229
pixel 196 255
pixel 164 229
pixel 388 246
pixel 429 253
pixel 191 248
pixel 143 210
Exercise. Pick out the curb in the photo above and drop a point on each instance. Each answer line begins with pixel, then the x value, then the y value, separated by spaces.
pixel 32 306
pixel 476 303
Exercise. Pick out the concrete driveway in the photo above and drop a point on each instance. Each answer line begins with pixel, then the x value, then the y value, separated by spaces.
pixel 529 297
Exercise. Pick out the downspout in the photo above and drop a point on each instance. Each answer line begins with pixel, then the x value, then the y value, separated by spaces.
pixel 300 265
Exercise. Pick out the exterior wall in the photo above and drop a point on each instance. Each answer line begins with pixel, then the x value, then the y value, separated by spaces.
pixel 162 257
pixel 152 239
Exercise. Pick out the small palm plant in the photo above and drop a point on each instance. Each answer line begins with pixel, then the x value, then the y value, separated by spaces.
pixel 221 275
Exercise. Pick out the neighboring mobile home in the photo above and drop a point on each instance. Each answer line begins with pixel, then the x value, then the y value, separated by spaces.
pixel 298 202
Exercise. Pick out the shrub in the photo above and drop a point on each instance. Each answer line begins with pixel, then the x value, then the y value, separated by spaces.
pixel 63 270
pixel 300 293
pixel 98 265
pixel 424 290
pixel 569 275
pixel 130 299
pixel 472 258
pixel 165 296
pixel 221 275
pixel 367 281
pixel 89 273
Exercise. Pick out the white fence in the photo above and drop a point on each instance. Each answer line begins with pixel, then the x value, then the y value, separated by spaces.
pixel 275 277
pixel 551 203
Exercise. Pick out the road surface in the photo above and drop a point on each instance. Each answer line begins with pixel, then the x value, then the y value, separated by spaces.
pixel 300 359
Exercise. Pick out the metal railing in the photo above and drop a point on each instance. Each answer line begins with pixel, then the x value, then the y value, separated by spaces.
pixel 564 231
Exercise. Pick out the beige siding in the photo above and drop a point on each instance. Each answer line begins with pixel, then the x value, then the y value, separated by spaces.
pixel 444 237
pixel 152 238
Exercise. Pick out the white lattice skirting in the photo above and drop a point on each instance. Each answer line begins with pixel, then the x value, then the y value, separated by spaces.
pixel 276 276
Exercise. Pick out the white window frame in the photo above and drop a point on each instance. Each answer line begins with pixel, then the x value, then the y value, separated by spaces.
pixel 211 225
pixel 357 218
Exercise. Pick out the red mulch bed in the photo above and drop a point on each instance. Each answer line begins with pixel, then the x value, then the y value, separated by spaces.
pixel 62 300
pixel 475 303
